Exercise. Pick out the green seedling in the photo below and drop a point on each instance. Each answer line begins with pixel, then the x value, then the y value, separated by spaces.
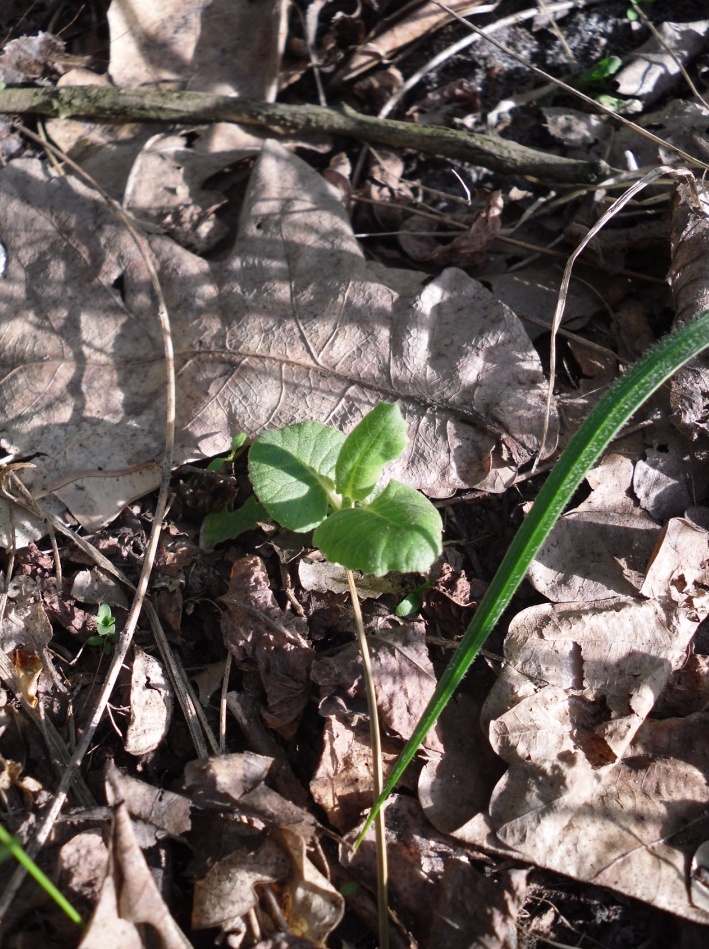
pixel 311 477
pixel 105 629
pixel 216 464
pixel 11 846
pixel 621 401
pixel 599 72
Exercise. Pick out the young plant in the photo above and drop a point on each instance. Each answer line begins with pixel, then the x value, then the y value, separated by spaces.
pixel 621 401
pixel 105 629
pixel 311 477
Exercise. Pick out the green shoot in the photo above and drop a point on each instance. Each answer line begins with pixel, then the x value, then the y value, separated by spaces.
pixel 216 464
pixel 105 629
pixel 226 525
pixel 12 846
pixel 621 401
pixel 310 477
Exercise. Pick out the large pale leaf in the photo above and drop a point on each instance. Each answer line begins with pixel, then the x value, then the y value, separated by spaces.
pixel 293 326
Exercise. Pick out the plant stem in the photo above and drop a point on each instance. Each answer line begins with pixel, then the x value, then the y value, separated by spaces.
pixel 377 770
pixel 17 851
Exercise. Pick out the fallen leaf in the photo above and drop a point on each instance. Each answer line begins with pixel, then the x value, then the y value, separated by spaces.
pixel 656 65
pixel 255 627
pixel 689 392
pixel 152 700
pixel 129 899
pixel 262 342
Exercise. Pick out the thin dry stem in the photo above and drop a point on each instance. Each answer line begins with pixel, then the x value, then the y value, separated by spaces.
pixel 377 770
pixel 619 203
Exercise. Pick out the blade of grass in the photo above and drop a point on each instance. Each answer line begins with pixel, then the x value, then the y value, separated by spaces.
pixel 621 401
pixel 15 848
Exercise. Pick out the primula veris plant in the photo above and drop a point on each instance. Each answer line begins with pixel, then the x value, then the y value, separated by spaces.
pixel 310 476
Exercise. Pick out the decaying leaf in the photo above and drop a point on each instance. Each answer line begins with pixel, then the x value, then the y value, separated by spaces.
pixel 343 782
pixel 255 627
pixel 437 891
pixel 595 788
pixel 690 289
pixel 152 700
pixel 403 676
pixel 246 855
pixel 129 899
pixel 262 341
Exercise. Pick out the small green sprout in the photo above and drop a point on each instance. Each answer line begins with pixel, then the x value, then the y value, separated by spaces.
pixel 310 477
pixel 216 464
pixel 105 629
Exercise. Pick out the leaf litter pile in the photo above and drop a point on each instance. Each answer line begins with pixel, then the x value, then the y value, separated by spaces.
pixel 562 796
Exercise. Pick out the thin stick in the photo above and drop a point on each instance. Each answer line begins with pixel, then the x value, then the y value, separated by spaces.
pixel 566 280
pixel 377 770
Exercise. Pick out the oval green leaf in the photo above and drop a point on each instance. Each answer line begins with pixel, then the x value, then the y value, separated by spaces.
pixel 293 470
pixel 379 438
pixel 400 530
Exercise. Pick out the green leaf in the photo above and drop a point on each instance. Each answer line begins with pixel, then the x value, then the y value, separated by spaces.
pixel 608 66
pixel 400 530
pixel 293 470
pixel 216 463
pixel 412 603
pixel 616 407
pixel 379 438
pixel 105 620
pixel 226 525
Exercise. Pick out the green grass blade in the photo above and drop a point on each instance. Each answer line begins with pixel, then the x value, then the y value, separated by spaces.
pixel 621 401
pixel 15 848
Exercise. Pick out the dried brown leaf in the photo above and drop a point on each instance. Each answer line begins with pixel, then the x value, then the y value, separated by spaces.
pixel 262 340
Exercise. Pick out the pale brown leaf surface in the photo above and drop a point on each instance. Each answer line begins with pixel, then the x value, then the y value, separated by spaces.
pixel 262 340
pixel 690 289
pixel 595 788
pixel 151 702
pixel 129 899
pixel 255 627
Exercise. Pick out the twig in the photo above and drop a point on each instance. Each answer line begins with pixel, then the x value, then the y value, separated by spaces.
pixel 141 105
pixel 377 771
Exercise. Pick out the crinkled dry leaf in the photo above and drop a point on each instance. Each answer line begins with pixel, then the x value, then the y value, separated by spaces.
pixel 255 627
pixel 130 899
pixel 690 289
pixel 312 906
pixel 156 811
pixel 403 677
pixel 82 866
pixel 262 340
pixel 227 891
pixel 343 783
pixel 474 911
pixel 237 781
pixel 152 699
pixel 656 65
